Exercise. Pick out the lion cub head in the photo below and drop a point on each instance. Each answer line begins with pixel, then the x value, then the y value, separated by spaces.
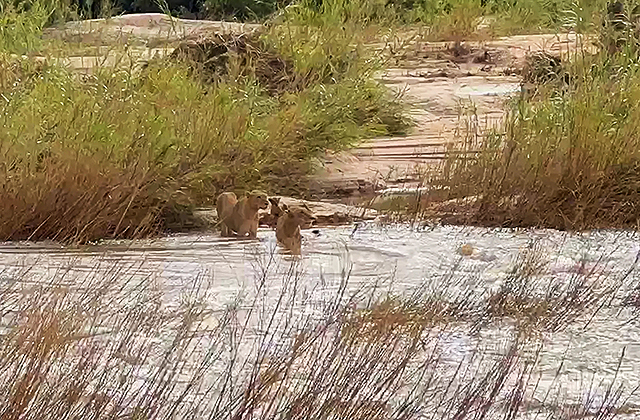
pixel 257 200
pixel 300 215
pixel 288 226
pixel 276 210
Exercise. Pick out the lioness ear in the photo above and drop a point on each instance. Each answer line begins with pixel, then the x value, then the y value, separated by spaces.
pixel 285 207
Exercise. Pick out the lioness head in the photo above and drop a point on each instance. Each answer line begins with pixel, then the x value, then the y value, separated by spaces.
pixel 257 200
pixel 301 215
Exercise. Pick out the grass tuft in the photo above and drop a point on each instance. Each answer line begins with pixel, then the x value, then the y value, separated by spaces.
pixel 103 343
pixel 127 153
pixel 565 157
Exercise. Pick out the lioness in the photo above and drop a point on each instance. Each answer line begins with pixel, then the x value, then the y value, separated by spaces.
pixel 288 227
pixel 240 216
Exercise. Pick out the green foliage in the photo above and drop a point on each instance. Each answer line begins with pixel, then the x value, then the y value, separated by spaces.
pixel 514 17
pixel 446 19
pixel 567 157
pixel 21 26
pixel 121 152
pixel 241 9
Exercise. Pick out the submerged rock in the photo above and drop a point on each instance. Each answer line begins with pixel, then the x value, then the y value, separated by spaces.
pixel 465 250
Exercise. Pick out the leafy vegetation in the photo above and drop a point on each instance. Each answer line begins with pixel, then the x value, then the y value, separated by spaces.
pixel 450 19
pixel 567 156
pixel 125 153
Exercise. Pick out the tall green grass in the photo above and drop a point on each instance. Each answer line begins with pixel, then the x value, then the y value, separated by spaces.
pixel 122 153
pixel 468 19
pixel 445 18
pixel 19 29
pixel 565 158
pixel 521 16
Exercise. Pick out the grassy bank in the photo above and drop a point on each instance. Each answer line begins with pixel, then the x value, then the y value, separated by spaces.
pixel 104 344
pixel 451 19
pixel 122 153
pixel 567 154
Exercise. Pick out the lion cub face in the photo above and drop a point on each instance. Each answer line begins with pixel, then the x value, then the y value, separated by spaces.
pixel 288 226
pixel 257 200
pixel 301 216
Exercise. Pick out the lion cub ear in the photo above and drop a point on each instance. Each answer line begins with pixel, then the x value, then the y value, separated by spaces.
pixel 284 207
pixel 274 200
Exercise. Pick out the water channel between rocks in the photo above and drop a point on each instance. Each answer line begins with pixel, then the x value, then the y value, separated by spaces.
pixel 396 259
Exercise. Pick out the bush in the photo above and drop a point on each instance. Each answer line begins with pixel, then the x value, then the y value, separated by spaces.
pixel 459 19
pixel 242 10
pixel 123 153
pixel 566 158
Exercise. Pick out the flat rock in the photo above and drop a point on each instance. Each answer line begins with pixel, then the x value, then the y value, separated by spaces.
pixel 327 214
pixel 150 27
pixel 332 213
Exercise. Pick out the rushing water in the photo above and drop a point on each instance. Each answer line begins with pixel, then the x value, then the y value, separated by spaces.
pixel 396 259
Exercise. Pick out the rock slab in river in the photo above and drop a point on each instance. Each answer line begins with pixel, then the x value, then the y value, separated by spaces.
pixel 325 213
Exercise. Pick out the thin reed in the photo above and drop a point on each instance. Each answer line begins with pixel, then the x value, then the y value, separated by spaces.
pixel 112 342
pixel 565 157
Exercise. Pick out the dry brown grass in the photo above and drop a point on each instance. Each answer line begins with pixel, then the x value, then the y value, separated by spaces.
pixel 76 353
pixel 220 56
pixel 109 344
pixel 122 153
pixel 540 305
pixel 79 201
pixel 565 158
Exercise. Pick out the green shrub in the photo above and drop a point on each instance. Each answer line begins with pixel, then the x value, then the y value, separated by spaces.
pixel 241 9
pixel 566 158
pixel 122 153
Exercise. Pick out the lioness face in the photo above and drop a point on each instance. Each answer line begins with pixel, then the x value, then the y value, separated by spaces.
pixel 258 200
pixel 303 216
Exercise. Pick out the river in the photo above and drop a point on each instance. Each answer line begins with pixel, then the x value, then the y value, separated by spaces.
pixel 397 260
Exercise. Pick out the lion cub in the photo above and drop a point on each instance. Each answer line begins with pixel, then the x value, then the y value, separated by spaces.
pixel 288 227
pixel 276 211
pixel 240 216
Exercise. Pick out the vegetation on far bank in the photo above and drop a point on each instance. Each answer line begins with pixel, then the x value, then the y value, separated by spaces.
pixel 125 153
pixel 452 19
pixel 567 155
